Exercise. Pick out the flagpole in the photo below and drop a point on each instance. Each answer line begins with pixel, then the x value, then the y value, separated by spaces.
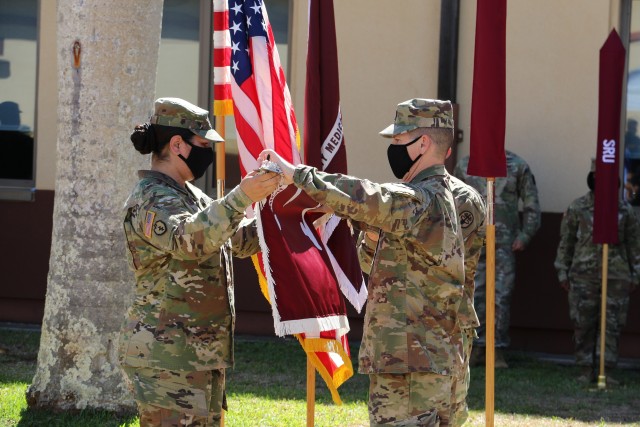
pixel 490 288
pixel 311 392
pixel 220 158
pixel 602 379
pixel 220 174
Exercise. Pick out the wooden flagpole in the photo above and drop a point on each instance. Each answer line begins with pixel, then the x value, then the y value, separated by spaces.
pixel 490 288
pixel 311 393
pixel 602 379
pixel 220 174
pixel 220 158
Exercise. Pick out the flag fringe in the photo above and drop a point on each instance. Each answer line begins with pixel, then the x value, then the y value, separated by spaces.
pixel 357 299
pixel 267 268
pixel 309 326
pixel 223 107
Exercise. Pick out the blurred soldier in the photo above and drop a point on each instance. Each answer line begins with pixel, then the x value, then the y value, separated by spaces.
pixel 412 343
pixel 519 186
pixel 579 265
pixel 471 213
pixel 176 339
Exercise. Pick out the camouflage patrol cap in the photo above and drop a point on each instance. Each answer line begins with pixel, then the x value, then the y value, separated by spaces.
pixel 420 113
pixel 182 114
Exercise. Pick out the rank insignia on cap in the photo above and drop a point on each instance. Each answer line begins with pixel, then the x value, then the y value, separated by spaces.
pixel 148 223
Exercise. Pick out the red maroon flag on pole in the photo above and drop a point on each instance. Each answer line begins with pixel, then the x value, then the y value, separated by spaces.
pixel 324 145
pixel 605 216
pixel 488 104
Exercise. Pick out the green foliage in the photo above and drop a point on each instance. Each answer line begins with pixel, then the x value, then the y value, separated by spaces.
pixel 267 388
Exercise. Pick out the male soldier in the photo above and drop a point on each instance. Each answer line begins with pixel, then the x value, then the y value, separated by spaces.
pixel 471 213
pixel 412 343
pixel 578 263
pixel 511 236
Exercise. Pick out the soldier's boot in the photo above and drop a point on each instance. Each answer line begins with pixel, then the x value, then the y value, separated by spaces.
pixel 500 363
pixel 587 375
pixel 477 356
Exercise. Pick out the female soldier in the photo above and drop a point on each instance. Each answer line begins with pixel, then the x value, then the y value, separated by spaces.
pixel 177 337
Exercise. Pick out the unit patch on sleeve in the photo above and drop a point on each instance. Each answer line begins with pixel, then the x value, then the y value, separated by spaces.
pixel 466 219
pixel 148 223
pixel 159 227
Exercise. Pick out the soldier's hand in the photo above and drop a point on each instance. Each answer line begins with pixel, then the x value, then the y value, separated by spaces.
pixel 259 185
pixel 517 246
pixel 565 285
pixel 287 168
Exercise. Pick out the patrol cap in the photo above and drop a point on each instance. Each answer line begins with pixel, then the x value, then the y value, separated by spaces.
pixel 183 114
pixel 420 113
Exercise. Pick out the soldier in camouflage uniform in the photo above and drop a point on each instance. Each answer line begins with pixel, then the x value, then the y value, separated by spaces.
pixel 471 213
pixel 579 266
pixel 412 343
pixel 519 186
pixel 177 337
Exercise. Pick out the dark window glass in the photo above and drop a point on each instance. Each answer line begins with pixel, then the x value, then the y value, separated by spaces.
pixel 18 69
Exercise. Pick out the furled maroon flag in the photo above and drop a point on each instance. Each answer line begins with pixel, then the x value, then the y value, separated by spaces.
pixel 488 104
pixel 324 145
pixel 605 215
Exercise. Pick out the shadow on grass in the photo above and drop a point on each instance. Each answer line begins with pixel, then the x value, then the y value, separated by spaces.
pixel 533 387
pixel 41 417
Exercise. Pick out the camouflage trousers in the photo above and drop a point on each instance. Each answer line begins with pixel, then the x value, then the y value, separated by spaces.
pixel 505 282
pixel 177 398
pixel 584 309
pixel 459 409
pixel 417 399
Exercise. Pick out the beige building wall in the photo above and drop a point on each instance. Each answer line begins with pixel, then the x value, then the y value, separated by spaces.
pixel 552 88
pixel 388 52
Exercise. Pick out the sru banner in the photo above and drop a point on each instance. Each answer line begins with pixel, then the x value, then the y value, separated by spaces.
pixel 605 217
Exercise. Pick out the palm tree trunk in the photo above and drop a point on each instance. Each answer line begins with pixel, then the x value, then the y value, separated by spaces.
pixel 105 86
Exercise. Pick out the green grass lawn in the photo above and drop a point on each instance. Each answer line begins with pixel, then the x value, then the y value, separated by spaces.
pixel 267 387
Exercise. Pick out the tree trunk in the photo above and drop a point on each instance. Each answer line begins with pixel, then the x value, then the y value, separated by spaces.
pixel 107 59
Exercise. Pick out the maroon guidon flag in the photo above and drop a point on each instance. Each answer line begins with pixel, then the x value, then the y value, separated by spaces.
pixel 488 104
pixel 605 215
pixel 324 144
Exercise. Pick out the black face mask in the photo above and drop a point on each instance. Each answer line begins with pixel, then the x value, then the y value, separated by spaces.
pixel 199 159
pixel 591 181
pixel 399 158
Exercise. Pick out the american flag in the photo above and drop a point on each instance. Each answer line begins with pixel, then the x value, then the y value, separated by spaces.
pixel 300 284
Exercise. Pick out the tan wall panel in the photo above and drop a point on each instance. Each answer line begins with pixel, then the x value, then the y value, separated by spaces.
pixel 47 121
pixel 552 89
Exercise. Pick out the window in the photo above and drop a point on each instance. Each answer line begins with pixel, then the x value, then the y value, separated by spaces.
pixel 631 156
pixel 18 69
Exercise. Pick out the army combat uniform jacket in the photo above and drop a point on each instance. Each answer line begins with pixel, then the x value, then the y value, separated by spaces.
pixel 416 279
pixel 579 259
pixel 182 316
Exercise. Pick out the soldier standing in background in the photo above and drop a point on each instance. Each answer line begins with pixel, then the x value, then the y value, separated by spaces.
pixel 512 235
pixel 579 266
pixel 412 344
pixel 177 337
